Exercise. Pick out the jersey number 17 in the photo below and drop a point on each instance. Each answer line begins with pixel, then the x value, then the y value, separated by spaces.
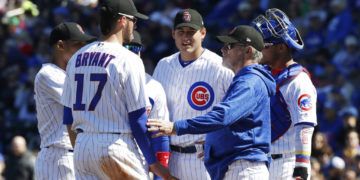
pixel 79 78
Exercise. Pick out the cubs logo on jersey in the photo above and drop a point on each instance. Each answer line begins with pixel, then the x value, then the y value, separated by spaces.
pixel 200 96
pixel 304 102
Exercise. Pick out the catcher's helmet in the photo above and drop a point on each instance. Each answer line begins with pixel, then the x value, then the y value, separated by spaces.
pixel 276 28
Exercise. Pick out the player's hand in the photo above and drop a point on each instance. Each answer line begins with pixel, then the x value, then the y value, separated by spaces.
pixel 300 173
pixel 161 171
pixel 162 128
pixel 200 149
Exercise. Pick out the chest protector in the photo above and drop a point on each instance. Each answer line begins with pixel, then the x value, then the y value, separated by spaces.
pixel 280 115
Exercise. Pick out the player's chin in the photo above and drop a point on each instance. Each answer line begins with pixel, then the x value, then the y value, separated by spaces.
pixel 226 65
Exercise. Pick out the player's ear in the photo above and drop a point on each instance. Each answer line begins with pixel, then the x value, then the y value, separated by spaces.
pixel 248 50
pixel 202 32
pixel 60 45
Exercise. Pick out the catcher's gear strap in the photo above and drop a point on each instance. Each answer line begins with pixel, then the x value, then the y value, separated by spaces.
pixel 303 135
pixel 163 158
pixel 280 115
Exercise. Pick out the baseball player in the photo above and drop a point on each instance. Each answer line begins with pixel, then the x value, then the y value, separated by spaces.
pixel 55 160
pixel 157 108
pixel 104 98
pixel 238 128
pixel 294 105
pixel 194 80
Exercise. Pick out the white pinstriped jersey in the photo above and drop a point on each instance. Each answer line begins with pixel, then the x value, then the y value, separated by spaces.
pixel 192 90
pixel 48 89
pixel 104 82
pixel 157 98
pixel 300 96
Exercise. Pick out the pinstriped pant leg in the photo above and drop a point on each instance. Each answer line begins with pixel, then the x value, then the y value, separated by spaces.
pixel 247 170
pixel 282 168
pixel 187 167
pixel 54 163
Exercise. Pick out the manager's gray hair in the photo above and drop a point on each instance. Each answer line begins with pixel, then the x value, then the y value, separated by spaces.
pixel 257 55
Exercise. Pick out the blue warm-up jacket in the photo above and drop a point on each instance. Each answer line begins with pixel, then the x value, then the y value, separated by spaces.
pixel 239 126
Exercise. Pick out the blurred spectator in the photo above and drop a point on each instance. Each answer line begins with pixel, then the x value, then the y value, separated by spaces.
pixel 351 152
pixel 321 149
pixel 349 174
pixel 336 168
pixel 316 170
pixel 20 162
pixel 349 118
pixel 347 59
pixel 2 166
pixel 314 37
pixel 340 24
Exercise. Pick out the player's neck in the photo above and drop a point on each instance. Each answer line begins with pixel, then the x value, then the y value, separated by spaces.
pixel 185 56
pixel 114 38
pixel 59 61
pixel 60 64
pixel 282 63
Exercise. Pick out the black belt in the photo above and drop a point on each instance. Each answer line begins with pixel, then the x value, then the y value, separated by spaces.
pixel 78 131
pixel 188 149
pixel 69 150
pixel 276 156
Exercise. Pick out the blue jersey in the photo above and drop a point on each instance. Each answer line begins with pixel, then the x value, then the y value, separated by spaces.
pixel 239 126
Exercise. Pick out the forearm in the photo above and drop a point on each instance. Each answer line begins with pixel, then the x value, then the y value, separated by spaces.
pixel 202 124
pixel 161 147
pixel 137 121
pixel 303 136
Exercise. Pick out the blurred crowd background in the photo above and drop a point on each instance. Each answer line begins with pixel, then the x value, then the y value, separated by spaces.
pixel 330 29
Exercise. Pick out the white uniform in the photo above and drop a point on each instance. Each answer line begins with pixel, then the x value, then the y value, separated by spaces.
pixel 55 160
pixel 157 98
pixel 104 82
pixel 300 96
pixel 191 91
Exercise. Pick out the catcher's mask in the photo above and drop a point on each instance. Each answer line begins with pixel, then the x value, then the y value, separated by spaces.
pixel 276 28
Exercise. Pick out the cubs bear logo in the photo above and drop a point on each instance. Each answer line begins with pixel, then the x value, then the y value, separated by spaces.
pixel 304 102
pixel 200 96
pixel 186 16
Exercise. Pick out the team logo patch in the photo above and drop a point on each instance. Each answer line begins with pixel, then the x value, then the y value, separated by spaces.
pixel 186 16
pixel 200 96
pixel 304 102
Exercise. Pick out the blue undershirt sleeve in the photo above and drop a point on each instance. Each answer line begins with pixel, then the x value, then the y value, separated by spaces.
pixel 138 126
pixel 67 118
pixel 160 144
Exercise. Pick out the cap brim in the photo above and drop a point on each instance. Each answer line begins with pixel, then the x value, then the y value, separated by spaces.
pixel 196 27
pixel 141 16
pixel 86 38
pixel 226 39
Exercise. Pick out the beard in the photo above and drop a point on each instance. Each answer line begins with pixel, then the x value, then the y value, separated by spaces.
pixel 128 34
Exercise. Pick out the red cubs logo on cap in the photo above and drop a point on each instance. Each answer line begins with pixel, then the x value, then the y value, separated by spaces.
pixel 304 102
pixel 200 96
pixel 186 16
